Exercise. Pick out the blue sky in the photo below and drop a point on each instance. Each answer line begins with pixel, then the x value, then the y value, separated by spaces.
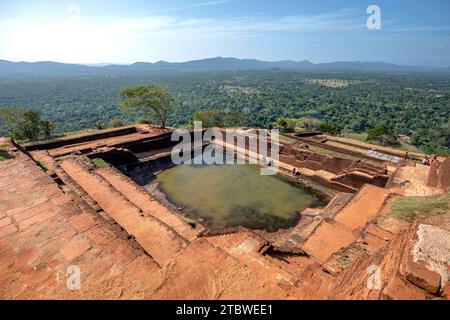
pixel 79 31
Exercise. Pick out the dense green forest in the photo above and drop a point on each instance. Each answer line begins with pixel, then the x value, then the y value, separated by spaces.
pixel 416 105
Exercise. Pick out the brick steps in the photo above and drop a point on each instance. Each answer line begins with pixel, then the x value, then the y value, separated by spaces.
pixel 246 248
pixel 292 240
pixel 142 199
pixel 47 232
pixel 157 238
pixel 322 178
pixel 80 197
pixel 76 192
pixel 293 263
pixel 340 230
pixel 336 204
pixel 364 207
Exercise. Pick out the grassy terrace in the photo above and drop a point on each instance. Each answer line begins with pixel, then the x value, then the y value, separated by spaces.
pixel 333 153
pixel 286 140
pixel 356 142
pixel 360 140
pixel 404 143
pixel 412 208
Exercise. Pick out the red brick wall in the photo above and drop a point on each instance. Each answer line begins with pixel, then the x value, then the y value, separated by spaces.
pixel 444 174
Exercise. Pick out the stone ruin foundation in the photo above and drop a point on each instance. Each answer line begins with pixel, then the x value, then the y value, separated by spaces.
pixel 128 244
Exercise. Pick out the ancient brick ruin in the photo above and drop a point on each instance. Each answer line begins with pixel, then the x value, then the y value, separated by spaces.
pixel 129 245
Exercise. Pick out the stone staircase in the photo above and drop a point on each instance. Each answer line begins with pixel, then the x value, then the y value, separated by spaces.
pixel 292 240
pixel 346 225
pixel 364 207
pixel 302 256
pixel 157 238
pixel 248 249
pixel 143 200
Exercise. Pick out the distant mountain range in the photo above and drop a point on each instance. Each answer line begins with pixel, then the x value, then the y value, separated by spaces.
pixel 49 68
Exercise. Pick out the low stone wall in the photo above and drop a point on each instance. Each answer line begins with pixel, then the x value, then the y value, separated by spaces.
pixel 445 175
pixel 316 161
pixel 115 157
pixel 357 181
pixel 439 176
pixel 348 169
pixel 336 149
pixel 158 142
pixel 81 139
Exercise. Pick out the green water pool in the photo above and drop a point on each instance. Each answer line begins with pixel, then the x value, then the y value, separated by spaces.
pixel 224 196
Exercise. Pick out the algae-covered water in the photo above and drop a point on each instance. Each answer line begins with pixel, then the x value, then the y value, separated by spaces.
pixel 224 196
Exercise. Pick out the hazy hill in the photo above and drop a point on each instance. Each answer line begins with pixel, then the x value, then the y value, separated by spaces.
pixel 48 68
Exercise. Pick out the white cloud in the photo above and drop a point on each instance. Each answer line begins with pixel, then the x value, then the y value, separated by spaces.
pixel 191 6
pixel 87 39
pixel 76 39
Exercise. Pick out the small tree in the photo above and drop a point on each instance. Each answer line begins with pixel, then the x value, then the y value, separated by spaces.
pixel 382 135
pixel 47 128
pixel 283 125
pixel 116 123
pixel 26 124
pixel 331 128
pixel 155 100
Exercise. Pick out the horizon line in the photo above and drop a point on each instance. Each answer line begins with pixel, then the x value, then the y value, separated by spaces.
pixel 105 64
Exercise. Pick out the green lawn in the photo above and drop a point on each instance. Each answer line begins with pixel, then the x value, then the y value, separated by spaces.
pixel 333 153
pixel 404 145
pixel 408 147
pixel 354 136
pixel 411 208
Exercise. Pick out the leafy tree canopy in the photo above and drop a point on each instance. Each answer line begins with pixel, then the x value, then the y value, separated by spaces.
pixel 284 125
pixel 331 128
pixel 157 101
pixel 26 124
pixel 413 105
pixel 219 118
pixel 381 134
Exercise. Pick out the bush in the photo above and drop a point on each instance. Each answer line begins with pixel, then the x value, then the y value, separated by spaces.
pixel 375 133
pixel 331 128
pixel 283 125
pixel 26 124
pixel 47 128
pixel 100 163
pixel 116 123
pixel 382 135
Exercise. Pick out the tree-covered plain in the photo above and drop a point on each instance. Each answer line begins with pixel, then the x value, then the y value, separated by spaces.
pixel 416 105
